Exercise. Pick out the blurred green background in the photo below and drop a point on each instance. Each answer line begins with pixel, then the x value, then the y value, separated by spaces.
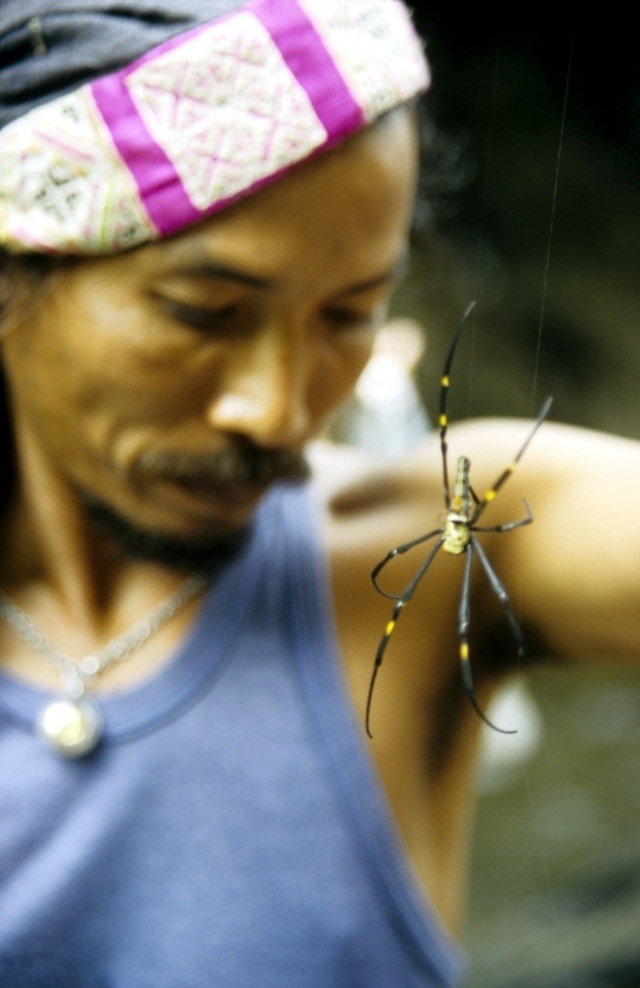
pixel 534 186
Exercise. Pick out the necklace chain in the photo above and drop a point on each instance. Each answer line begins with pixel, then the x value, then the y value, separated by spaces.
pixel 77 674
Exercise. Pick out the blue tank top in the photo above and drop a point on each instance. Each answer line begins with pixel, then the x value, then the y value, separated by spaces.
pixel 230 831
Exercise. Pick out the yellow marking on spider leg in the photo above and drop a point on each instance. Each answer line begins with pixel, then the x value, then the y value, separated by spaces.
pixel 442 420
pixel 491 493
pixel 389 628
pixel 464 652
pixel 444 381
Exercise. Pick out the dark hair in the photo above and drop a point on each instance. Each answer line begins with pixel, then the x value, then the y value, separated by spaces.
pixel 48 49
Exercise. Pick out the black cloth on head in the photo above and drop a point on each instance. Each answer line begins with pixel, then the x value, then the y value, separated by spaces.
pixel 49 48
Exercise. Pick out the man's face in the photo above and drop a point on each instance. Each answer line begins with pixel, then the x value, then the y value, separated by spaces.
pixel 173 383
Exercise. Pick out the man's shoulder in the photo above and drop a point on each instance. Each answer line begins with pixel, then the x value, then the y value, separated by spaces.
pixel 378 499
pixel 370 503
pixel 353 483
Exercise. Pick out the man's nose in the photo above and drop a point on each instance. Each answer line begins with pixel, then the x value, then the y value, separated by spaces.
pixel 263 392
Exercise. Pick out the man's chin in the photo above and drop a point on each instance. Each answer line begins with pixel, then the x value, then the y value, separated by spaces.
pixel 166 548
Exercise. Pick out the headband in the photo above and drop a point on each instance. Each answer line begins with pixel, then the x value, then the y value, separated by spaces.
pixel 203 119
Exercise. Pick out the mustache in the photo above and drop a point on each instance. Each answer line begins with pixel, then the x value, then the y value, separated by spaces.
pixel 236 466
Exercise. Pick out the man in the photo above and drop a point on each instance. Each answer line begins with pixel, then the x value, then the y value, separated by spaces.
pixel 196 802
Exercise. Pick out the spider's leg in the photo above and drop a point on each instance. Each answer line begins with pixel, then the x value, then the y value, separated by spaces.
pixel 443 421
pixel 398 552
pixel 474 495
pixel 509 525
pixel 498 588
pixel 464 615
pixel 506 473
pixel 403 599
pixel 378 661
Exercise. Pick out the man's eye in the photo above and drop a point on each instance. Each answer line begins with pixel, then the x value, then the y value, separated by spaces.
pixel 201 318
pixel 350 319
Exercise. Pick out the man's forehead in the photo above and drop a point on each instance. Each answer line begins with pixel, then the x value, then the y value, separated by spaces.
pixel 200 264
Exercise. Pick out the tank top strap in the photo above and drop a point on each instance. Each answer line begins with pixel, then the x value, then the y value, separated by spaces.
pixel 342 742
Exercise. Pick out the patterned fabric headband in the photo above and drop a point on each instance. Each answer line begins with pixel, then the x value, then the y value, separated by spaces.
pixel 205 118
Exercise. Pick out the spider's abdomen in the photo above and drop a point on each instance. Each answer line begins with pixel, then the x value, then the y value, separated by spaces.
pixel 456 533
pixel 456 527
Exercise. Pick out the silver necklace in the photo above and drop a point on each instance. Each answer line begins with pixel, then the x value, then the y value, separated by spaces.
pixel 73 724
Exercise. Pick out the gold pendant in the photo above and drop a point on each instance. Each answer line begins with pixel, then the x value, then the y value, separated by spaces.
pixel 72 728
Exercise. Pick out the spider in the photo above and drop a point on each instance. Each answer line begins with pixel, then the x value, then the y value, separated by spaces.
pixel 457 536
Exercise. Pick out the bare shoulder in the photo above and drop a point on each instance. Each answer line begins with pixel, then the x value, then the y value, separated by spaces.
pixel 370 503
pixel 361 490
pixel 579 563
pixel 566 482
pixel 358 489
pixel 554 444
pixel 558 455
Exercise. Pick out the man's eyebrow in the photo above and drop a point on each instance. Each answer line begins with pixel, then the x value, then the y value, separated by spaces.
pixel 216 270
pixel 395 273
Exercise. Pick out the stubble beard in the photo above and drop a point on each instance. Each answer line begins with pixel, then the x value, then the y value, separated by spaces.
pixel 219 473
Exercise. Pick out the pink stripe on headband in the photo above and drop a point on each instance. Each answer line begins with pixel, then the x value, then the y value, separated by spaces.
pixel 166 202
pixel 161 189
pixel 307 57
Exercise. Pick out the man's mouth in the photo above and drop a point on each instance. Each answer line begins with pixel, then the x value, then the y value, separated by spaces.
pixel 232 503
pixel 239 472
pixel 196 506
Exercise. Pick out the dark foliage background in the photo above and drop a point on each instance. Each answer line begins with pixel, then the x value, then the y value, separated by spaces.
pixel 534 186
pixel 537 203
